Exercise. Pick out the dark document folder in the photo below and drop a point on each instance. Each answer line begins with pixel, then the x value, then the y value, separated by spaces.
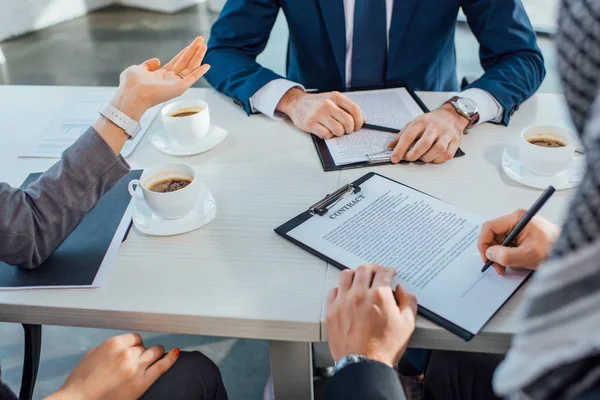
pixel 77 260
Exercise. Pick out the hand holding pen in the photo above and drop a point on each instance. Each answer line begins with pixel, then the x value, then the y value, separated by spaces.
pixel 501 245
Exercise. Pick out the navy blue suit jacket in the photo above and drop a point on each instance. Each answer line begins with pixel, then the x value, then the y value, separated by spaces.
pixel 421 47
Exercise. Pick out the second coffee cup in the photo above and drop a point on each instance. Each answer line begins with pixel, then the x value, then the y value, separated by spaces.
pixel 170 190
pixel 186 121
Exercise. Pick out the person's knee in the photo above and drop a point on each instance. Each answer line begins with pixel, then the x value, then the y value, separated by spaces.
pixel 203 367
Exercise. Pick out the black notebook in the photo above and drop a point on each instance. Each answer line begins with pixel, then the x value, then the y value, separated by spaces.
pixel 78 260
pixel 389 109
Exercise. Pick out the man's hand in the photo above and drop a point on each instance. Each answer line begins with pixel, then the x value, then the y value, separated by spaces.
pixel 325 115
pixel 365 317
pixel 439 134
pixel 121 368
pixel 532 245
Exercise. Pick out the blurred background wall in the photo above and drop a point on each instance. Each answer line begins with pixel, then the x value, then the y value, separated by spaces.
pixel 22 16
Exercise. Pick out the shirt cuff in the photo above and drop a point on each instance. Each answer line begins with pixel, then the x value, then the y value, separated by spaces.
pixel 489 108
pixel 266 99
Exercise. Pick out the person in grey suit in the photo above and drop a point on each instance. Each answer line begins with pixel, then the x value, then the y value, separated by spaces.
pixel 34 221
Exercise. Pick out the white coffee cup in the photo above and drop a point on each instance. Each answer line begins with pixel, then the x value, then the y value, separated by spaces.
pixel 170 205
pixel 547 161
pixel 189 129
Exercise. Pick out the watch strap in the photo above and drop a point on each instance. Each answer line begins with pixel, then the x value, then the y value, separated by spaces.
pixel 348 360
pixel 119 118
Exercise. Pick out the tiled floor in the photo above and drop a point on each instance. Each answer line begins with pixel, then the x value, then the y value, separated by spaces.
pixel 92 51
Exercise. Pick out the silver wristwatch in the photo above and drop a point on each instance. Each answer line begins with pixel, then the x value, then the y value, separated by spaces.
pixel 465 107
pixel 120 119
pixel 348 360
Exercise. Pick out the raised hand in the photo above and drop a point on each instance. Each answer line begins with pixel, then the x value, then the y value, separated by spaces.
pixel 365 317
pixel 120 368
pixel 148 84
pixel 532 246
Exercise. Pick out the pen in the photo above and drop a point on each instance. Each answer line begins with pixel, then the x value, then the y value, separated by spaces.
pixel 524 221
pixel 380 128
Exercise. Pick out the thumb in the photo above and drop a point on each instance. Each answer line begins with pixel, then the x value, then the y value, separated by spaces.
pixel 152 64
pixel 506 256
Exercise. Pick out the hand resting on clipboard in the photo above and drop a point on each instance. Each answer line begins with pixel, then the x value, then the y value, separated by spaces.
pixel 385 156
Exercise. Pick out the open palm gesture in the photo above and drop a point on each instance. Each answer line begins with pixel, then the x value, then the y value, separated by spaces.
pixel 152 84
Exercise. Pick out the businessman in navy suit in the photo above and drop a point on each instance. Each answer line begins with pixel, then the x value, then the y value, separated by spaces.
pixel 360 43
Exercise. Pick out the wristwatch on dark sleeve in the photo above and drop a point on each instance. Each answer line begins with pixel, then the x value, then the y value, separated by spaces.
pixel 465 107
pixel 348 360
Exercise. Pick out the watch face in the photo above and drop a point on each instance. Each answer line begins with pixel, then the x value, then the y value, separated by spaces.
pixel 466 105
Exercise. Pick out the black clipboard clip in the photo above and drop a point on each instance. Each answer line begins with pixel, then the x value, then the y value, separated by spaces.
pixel 322 206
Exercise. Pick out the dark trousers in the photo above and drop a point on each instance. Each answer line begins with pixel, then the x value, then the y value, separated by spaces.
pixel 193 376
pixel 452 375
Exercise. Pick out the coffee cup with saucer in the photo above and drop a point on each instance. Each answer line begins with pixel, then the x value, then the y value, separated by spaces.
pixel 187 129
pixel 170 200
pixel 546 157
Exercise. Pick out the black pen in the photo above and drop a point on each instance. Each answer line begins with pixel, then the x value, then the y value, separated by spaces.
pixel 537 206
pixel 380 128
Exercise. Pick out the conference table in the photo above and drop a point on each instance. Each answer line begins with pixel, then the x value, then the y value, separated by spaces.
pixel 235 277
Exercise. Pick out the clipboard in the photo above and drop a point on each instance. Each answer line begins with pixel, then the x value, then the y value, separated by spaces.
pixel 321 208
pixel 325 155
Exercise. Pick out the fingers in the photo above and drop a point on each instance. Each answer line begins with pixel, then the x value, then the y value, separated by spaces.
pixel 407 137
pixel 394 142
pixel 333 126
pixel 346 278
pixel 126 340
pixel 152 65
pixel 499 269
pixel 169 66
pixel 405 300
pixel 450 152
pixel 332 296
pixel 198 57
pixel 343 118
pixel 321 131
pixel 494 231
pixel 383 277
pixel 363 277
pixel 422 145
pixel 160 367
pixel 151 355
pixel 187 56
pixel 352 109
pixel 440 147
pixel 196 74
pixel 517 257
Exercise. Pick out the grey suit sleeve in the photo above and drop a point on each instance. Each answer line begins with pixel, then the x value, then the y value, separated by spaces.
pixel 36 220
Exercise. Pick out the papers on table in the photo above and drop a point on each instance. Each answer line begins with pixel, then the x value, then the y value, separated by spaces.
pixel 392 108
pixel 432 245
pixel 75 120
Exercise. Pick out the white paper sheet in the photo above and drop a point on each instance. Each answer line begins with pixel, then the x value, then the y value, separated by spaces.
pixel 391 108
pixel 432 245
pixel 107 262
pixel 75 120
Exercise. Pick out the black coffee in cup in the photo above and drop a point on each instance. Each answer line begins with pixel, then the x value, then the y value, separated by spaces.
pixel 169 185
pixel 546 141
pixel 186 112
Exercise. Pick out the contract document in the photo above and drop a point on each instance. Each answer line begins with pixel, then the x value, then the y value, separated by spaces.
pixel 392 108
pixel 431 244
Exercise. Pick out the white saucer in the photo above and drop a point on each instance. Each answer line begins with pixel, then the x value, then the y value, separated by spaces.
pixel 212 139
pixel 566 179
pixel 147 223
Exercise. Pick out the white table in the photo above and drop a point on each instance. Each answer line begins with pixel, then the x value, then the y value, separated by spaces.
pixel 236 277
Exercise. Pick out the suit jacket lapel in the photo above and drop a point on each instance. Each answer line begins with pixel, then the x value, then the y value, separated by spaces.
pixel 401 17
pixel 333 16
